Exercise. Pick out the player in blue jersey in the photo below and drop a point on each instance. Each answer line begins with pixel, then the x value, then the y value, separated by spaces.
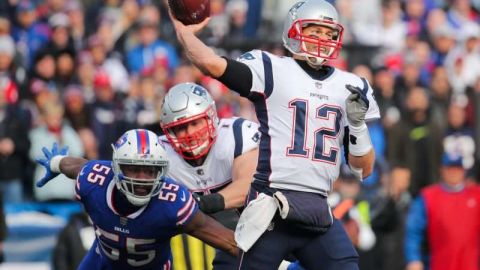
pixel 214 158
pixel 135 209
pixel 308 111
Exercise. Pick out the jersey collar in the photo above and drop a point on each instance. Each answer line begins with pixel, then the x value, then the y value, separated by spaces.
pixel 321 74
pixel 110 203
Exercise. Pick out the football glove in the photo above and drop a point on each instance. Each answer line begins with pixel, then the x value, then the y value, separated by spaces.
pixel 357 104
pixel 210 203
pixel 46 162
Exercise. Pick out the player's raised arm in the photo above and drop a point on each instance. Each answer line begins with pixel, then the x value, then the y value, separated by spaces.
pixel 56 161
pixel 200 54
pixel 211 232
pixel 236 75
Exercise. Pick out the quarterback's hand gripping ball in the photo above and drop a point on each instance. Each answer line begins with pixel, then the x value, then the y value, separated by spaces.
pixel 190 11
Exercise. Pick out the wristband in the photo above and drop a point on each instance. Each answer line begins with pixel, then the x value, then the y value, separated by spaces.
pixel 359 143
pixel 55 163
pixel 211 203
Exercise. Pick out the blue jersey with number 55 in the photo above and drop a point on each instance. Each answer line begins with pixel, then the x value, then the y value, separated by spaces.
pixel 140 240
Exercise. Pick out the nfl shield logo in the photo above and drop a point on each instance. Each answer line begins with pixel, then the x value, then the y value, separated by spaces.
pixel 123 221
pixel 318 85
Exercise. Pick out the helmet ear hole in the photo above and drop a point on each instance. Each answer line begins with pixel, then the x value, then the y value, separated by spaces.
pixel 293 32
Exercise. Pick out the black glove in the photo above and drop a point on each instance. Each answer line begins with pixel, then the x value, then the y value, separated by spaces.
pixel 210 203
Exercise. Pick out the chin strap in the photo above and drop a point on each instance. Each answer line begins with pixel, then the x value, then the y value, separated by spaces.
pixel 315 62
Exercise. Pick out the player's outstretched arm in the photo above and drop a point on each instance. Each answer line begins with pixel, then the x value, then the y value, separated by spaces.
pixel 197 52
pixel 71 166
pixel 55 162
pixel 242 175
pixel 211 232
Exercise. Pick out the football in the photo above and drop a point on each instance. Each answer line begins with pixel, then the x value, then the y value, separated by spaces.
pixel 190 11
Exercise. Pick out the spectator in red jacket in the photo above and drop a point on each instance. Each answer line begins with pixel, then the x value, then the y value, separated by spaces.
pixel 446 217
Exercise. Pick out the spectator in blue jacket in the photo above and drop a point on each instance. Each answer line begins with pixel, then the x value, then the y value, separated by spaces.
pixel 30 35
pixel 150 48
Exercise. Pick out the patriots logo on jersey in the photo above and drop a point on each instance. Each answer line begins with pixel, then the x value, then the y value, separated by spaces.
pixel 121 141
pixel 247 56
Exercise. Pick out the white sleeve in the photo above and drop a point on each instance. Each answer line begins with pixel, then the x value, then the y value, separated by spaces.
pixel 251 136
pixel 255 61
pixel 373 110
pixel 246 136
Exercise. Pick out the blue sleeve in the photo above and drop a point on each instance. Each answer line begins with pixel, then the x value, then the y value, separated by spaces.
pixel 95 173
pixel 415 230
pixel 183 205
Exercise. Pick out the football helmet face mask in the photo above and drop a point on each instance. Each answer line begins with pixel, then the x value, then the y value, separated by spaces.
pixel 139 165
pixel 314 49
pixel 183 105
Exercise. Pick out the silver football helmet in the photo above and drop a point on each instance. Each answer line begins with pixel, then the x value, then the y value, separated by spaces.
pixel 307 12
pixel 139 165
pixel 183 104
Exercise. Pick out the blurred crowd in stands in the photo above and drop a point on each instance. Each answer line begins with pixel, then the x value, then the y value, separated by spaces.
pixel 81 72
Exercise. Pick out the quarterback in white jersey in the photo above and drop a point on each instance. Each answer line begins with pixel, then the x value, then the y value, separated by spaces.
pixel 307 111
pixel 306 125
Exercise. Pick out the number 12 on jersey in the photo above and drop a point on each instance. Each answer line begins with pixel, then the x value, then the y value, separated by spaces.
pixel 300 132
